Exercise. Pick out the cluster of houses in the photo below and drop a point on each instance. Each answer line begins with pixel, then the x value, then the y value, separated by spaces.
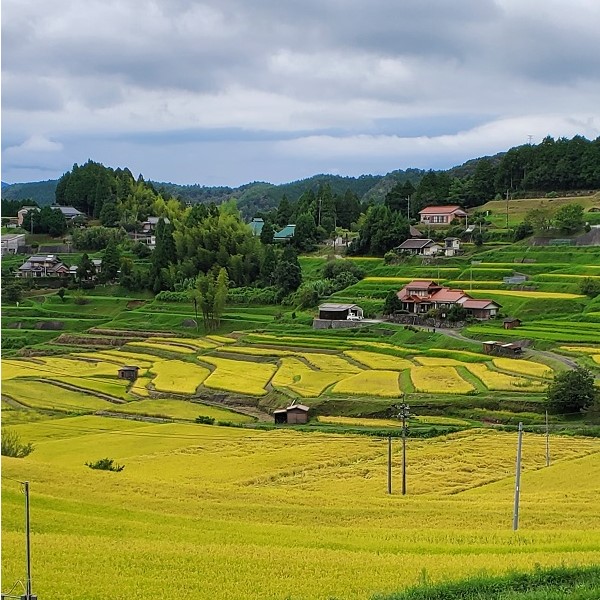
pixel 49 265
pixel 283 235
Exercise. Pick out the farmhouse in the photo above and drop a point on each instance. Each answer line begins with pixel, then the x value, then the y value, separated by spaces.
pixel 11 242
pixel 451 246
pixel 150 225
pixel 420 296
pixel 43 266
pixel 296 414
pixel 441 215
pixel 69 212
pixel 424 247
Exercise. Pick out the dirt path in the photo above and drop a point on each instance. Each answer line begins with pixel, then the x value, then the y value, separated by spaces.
pixel 571 364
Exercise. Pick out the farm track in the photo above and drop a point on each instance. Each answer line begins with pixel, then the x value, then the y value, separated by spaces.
pixel 571 364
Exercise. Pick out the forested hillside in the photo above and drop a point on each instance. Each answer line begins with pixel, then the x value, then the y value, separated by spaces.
pixel 551 166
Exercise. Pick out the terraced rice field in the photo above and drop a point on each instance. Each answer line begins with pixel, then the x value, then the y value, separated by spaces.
pixel 295 375
pixel 239 376
pixel 441 380
pixel 204 512
pixel 370 383
pixel 178 377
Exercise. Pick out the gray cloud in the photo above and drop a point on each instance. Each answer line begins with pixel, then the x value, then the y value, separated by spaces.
pixel 248 76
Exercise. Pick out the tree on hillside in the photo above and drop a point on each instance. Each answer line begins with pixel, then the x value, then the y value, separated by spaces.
pixel 392 303
pixel 571 392
pixel 305 234
pixel 569 218
pixel 288 274
pixel 267 233
pixel 111 261
pixel 210 294
pixel 85 269
pixel 284 212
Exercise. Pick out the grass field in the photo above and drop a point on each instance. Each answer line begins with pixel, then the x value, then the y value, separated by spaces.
pixel 206 512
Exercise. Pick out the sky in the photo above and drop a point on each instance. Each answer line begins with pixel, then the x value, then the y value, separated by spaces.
pixel 224 92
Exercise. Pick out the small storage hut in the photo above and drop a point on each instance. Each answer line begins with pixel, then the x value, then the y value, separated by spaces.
pixel 130 372
pixel 296 414
pixel 511 323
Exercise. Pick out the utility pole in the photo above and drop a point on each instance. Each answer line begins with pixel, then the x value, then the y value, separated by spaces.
pixel 518 479
pixel 404 414
pixel 389 470
pixel 547 441
pixel 28 541
pixel 506 209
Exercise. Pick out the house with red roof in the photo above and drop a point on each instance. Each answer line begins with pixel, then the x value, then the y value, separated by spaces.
pixel 420 296
pixel 441 215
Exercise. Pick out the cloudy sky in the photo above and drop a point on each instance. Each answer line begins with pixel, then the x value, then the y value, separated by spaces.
pixel 231 91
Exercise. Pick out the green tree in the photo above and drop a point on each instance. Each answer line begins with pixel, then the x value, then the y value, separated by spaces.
pixel 61 294
pixel 210 294
pixel 284 212
pixel 288 274
pixel 111 260
pixel 571 392
pixel 392 303
pixel 569 218
pixel 305 234
pixel 85 269
pixel 590 287
pixel 109 214
pixel 267 233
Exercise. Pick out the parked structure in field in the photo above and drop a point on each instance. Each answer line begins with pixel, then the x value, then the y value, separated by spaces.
pixel 502 349
pixel 511 323
pixel 296 414
pixel 129 372
pixel 424 247
pixel 441 215
pixel 11 242
pixel 420 296
pixel 43 266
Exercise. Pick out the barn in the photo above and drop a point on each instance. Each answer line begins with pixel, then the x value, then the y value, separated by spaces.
pixel 340 312
pixel 130 373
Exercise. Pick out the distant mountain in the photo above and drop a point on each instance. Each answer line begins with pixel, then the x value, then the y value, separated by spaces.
pixel 4 184
pixel 40 191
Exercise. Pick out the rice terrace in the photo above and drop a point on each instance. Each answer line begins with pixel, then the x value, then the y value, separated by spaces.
pixel 155 428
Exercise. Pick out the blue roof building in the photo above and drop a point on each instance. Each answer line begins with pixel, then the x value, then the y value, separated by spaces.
pixel 286 234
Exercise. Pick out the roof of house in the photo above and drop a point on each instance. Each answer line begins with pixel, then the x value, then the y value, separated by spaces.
pixel 421 283
pixel 68 211
pixel 448 295
pixel 414 232
pixel 511 320
pixel 286 233
pixel 155 220
pixel 256 225
pixel 479 304
pixel 9 237
pixel 442 210
pixel 298 406
pixel 129 368
pixel 415 244
pixel 332 306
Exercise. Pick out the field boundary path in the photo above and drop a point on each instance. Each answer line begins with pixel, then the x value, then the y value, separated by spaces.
pixel 568 362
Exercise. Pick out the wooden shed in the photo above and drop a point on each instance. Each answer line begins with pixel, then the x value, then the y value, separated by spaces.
pixel 511 323
pixel 130 372
pixel 296 414
pixel 340 312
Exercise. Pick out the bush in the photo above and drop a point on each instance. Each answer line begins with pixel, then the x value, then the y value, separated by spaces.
pixel 334 268
pixel 252 295
pixel 167 296
pixel 205 420
pixel 80 299
pixel 590 287
pixel 12 446
pixel 105 464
